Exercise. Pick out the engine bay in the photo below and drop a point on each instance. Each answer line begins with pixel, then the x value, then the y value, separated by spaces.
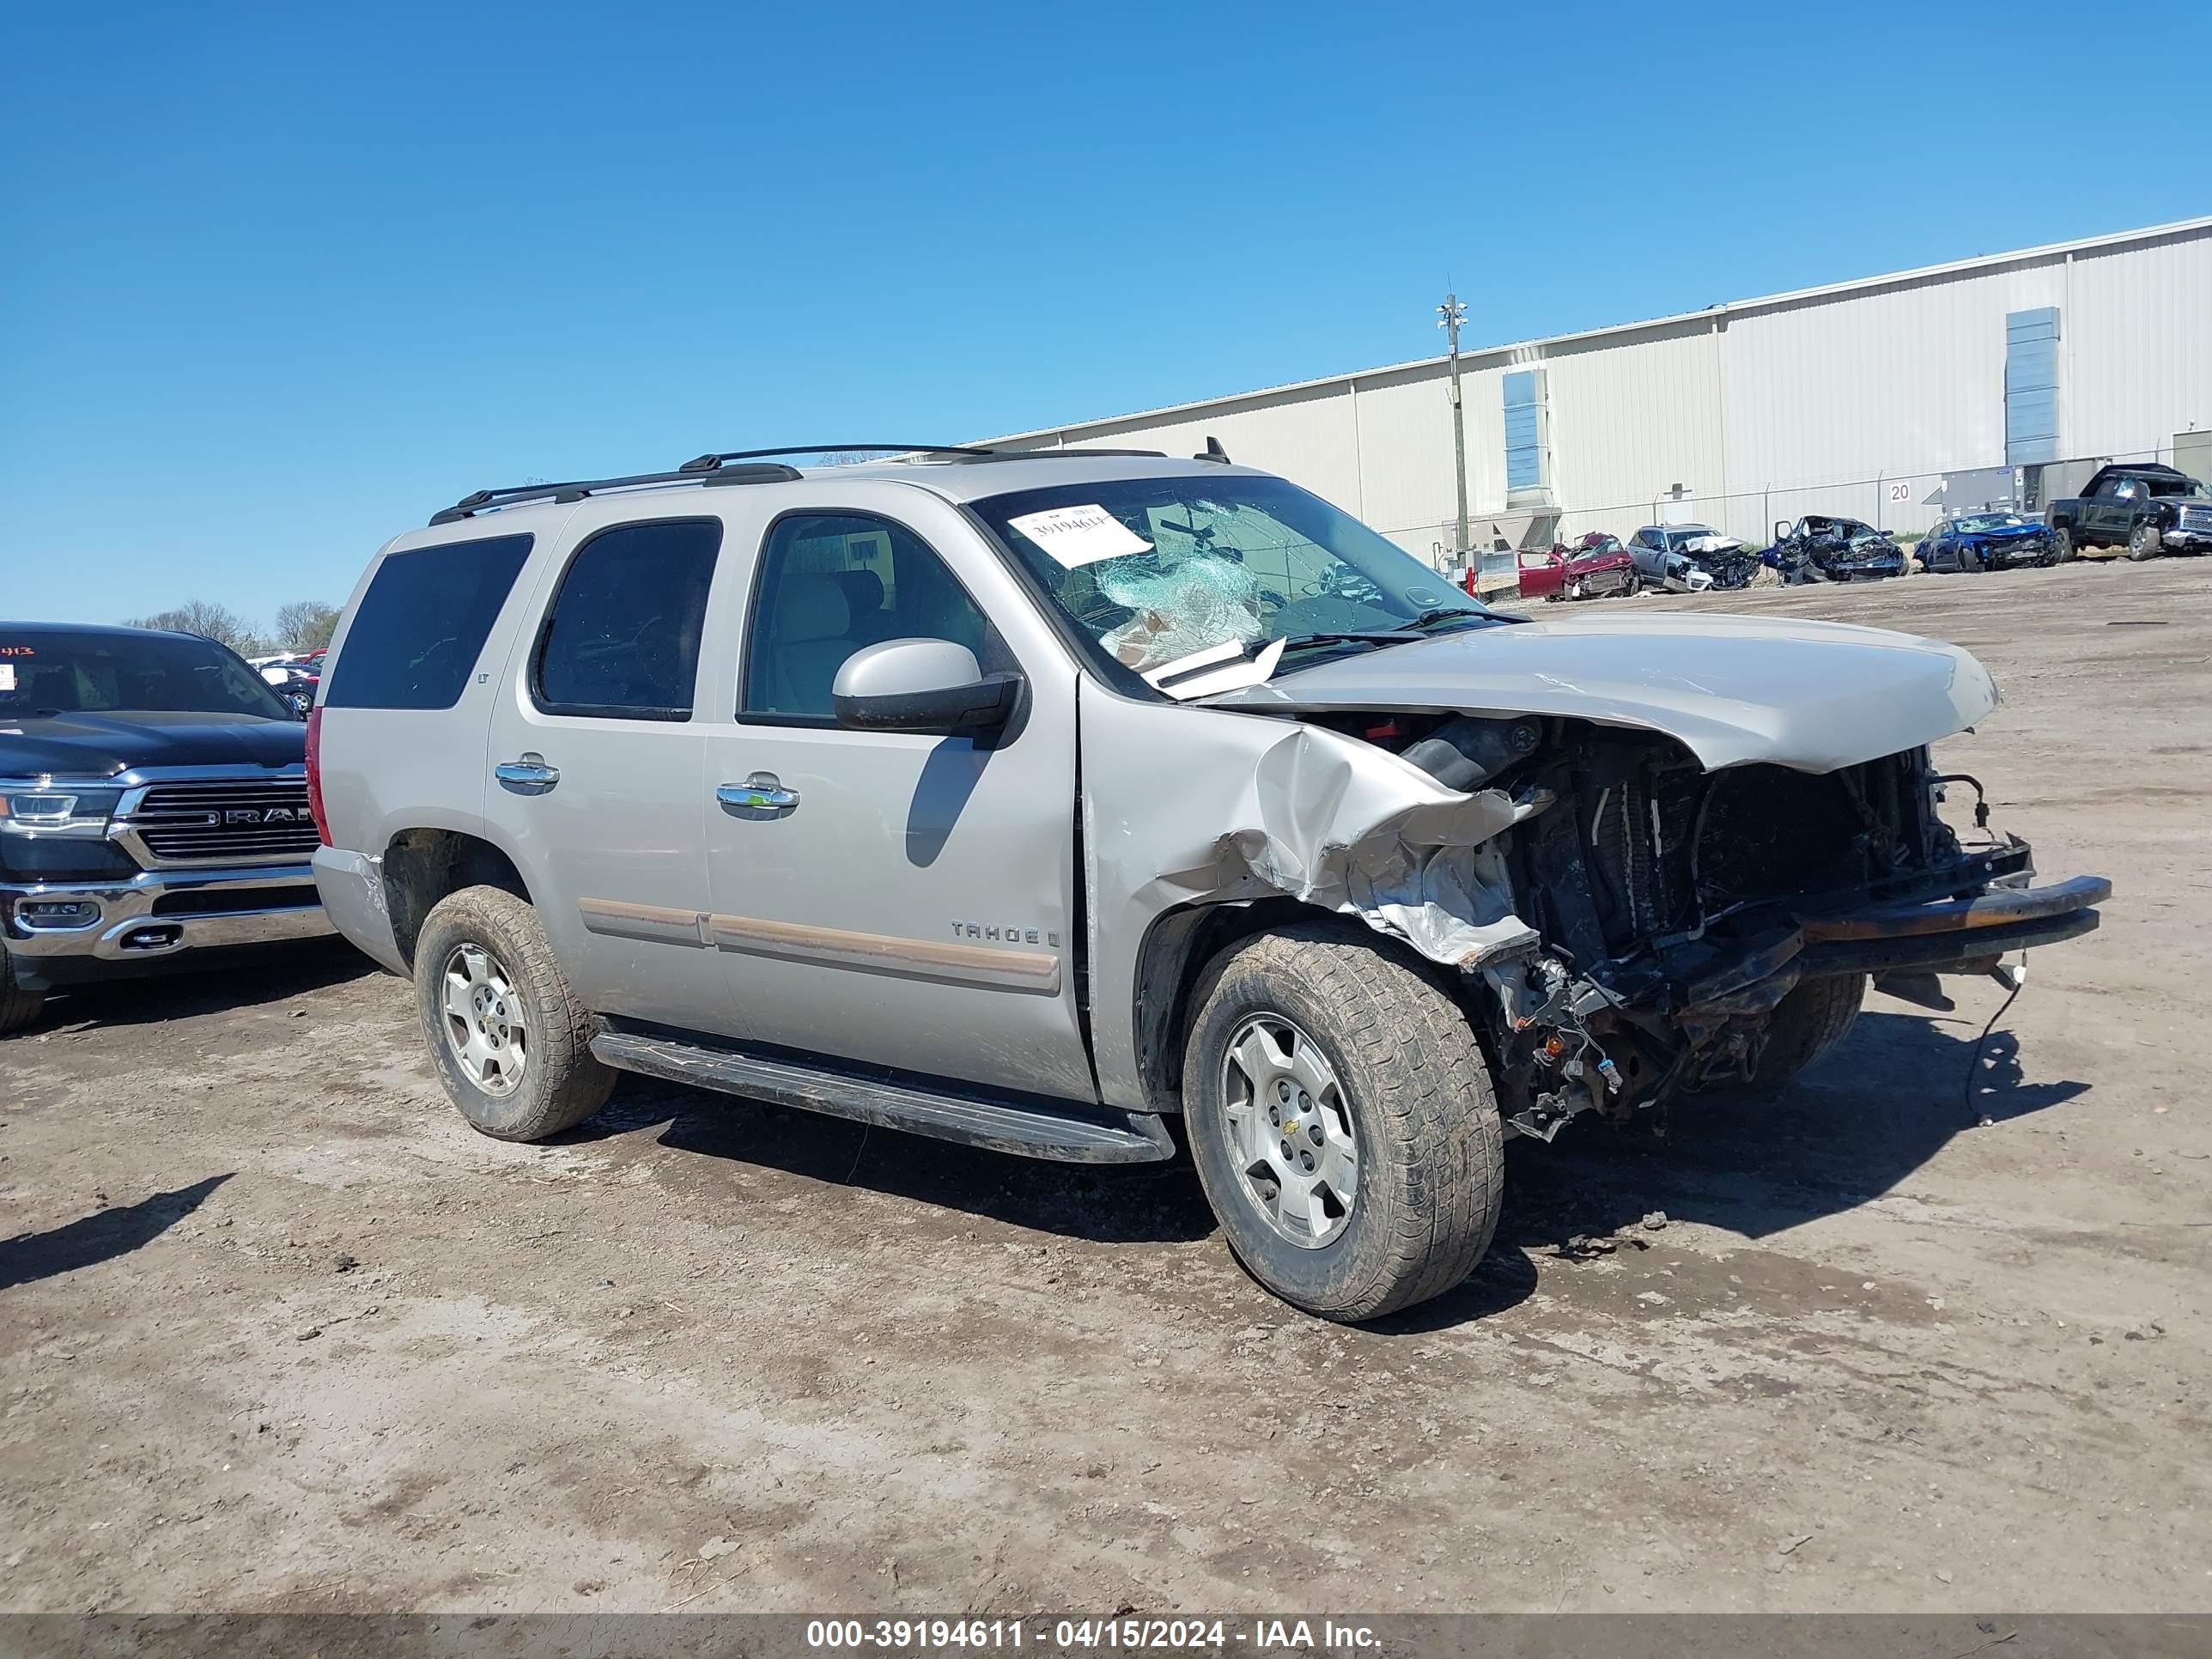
pixel 1674 907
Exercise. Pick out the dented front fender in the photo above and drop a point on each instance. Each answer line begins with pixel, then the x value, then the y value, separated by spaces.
pixel 1189 805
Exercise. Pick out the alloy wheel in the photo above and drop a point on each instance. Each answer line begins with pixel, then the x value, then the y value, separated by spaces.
pixel 483 1020
pixel 1290 1131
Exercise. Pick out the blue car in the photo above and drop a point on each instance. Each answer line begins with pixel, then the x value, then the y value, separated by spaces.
pixel 1820 548
pixel 1975 542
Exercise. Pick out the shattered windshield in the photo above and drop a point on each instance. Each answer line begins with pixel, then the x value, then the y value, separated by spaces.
pixel 1976 522
pixel 1158 570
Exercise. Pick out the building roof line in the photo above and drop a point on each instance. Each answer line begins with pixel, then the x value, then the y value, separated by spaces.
pixel 1724 309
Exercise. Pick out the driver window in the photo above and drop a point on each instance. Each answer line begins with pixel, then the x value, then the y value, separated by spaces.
pixel 831 583
pixel 2125 491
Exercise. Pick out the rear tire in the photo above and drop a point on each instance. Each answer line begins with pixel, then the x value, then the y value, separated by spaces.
pixel 1403 1105
pixel 1806 1026
pixel 512 1044
pixel 2061 545
pixel 19 1009
pixel 2143 542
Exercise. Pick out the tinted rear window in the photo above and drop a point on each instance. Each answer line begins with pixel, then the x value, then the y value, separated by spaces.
pixel 422 622
pixel 621 638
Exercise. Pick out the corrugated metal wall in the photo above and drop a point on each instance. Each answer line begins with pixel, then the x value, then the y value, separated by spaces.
pixel 2136 346
pixel 1852 401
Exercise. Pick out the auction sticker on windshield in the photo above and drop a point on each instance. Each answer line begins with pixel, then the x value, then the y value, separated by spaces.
pixel 1075 536
pixel 6 677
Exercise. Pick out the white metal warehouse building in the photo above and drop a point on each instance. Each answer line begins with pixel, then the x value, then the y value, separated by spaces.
pixel 1860 399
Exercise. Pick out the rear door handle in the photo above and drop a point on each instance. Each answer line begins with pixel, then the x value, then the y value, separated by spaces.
pixel 529 775
pixel 763 792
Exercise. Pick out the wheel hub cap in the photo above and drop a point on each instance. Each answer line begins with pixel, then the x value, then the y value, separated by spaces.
pixel 1290 1131
pixel 483 1020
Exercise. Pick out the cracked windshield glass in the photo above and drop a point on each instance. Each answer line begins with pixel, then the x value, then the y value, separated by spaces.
pixel 1158 570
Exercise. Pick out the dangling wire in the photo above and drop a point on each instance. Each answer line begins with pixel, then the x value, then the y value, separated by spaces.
pixel 2017 981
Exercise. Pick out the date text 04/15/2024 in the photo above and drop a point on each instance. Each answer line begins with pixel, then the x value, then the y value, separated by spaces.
pixel 1121 1633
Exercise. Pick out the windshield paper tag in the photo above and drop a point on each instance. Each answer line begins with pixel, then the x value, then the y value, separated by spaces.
pixel 1076 536
pixel 6 677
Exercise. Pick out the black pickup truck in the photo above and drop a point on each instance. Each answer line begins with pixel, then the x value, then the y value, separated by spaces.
pixel 2146 509
pixel 153 801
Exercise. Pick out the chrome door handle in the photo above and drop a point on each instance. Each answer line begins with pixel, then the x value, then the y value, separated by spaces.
pixel 763 792
pixel 529 775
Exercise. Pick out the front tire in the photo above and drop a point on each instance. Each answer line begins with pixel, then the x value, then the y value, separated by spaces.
pixel 510 1043
pixel 19 1009
pixel 2143 542
pixel 1806 1026
pixel 1342 1120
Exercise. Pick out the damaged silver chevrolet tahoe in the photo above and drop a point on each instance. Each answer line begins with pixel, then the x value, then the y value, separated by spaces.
pixel 1031 800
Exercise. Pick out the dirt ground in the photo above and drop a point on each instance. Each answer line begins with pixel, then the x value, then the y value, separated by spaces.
pixel 277 1331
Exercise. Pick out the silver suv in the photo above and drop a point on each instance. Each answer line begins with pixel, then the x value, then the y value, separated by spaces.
pixel 1035 799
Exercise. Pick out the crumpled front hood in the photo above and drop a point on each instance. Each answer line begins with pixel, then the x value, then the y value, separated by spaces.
pixel 1732 689
pixel 102 745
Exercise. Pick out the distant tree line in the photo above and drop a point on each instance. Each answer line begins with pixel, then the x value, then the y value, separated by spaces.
pixel 302 625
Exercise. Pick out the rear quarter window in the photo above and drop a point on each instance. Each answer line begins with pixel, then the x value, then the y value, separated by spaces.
pixel 423 623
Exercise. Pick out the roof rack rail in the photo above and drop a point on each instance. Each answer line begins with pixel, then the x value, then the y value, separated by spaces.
pixel 744 467
pixel 577 489
pixel 959 453
pixel 708 463
pixel 966 457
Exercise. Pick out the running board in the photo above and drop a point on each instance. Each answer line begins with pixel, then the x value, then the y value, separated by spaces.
pixel 1069 1133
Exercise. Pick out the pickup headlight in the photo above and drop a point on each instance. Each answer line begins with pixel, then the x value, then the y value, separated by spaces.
pixel 80 813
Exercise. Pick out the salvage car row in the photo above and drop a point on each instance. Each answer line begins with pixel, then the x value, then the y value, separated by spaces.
pixel 2143 509
pixel 1031 800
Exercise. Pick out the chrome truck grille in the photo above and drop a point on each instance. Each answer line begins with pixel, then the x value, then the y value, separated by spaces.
pixel 234 821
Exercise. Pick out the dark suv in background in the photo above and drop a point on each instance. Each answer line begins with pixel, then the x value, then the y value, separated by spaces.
pixel 153 801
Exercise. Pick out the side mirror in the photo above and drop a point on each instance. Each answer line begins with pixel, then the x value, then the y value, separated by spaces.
pixel 1781 530
pixel 921 685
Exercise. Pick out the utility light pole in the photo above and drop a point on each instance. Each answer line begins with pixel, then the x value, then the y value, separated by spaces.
pixel 1450 314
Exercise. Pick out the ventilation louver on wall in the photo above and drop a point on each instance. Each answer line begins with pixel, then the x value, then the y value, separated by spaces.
pixel 1528 435
pixel 2031 387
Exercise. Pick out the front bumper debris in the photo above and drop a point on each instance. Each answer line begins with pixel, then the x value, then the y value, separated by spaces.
pixel 2016 550
pixel 158 913
pixel 1953 935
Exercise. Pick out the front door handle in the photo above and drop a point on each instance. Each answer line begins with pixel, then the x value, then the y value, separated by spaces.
pixel 763 792
pixel 529 775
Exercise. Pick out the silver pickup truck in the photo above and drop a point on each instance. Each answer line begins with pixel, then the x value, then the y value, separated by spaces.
pixel 1035 800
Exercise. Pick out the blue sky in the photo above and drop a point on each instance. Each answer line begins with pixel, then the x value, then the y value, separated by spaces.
pixel 279 281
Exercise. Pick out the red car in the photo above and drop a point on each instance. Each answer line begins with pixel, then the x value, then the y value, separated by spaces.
pixel 1596 564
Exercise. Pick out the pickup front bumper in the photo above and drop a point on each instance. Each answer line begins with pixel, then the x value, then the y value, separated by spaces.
pixel 60 926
